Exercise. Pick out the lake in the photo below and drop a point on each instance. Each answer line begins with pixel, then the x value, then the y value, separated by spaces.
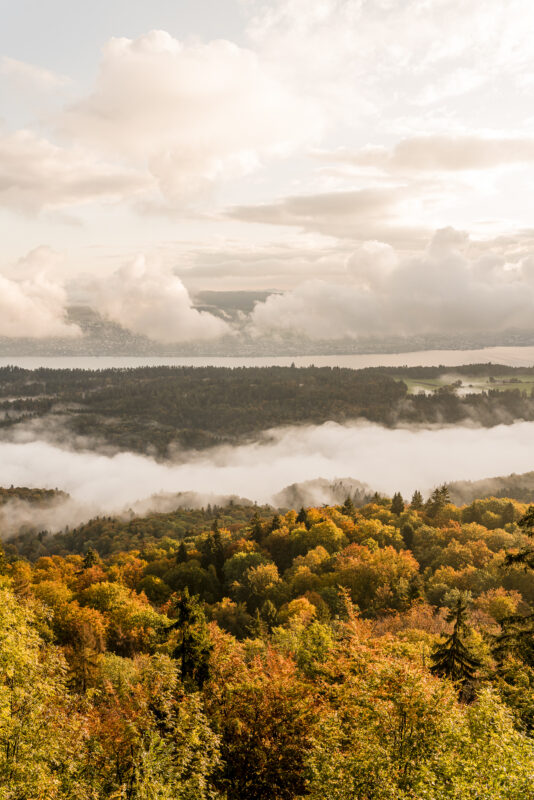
pixel 511 356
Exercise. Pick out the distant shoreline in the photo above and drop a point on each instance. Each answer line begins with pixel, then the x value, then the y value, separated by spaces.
pixel 516 356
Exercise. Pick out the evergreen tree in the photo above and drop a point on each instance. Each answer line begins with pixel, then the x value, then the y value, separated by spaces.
pixel 90 559
pixel 256 528
pixel 453 659
pixel 407 532
pixel 194 646
pixel 348 507
pixel 302 516
pixel 439 498
pixel 276 522
pixel 417 501
pixel 181 554
pixel 397 504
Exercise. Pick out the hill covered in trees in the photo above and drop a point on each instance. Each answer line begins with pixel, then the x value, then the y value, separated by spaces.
pixel 382 652
pixel 148 409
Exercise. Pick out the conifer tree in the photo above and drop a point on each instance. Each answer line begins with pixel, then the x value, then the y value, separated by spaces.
pixel 302 516
pixel 181 554
pixel 417 501
pixel 397 504
pixel 194 646
pixel 453 659
pixel 348 507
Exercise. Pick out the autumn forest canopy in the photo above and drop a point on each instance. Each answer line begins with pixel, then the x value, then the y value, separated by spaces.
pixel 378 652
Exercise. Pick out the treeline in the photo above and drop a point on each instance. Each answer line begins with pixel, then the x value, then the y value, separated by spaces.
pixel 148 409
pixel 381 653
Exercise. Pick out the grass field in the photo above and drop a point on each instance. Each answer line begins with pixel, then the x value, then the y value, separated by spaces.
pixel 471 384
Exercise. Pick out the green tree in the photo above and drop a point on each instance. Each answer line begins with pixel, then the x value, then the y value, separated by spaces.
pixel 397 504
pixel 192 652
pixel 416 502
pixel 453 658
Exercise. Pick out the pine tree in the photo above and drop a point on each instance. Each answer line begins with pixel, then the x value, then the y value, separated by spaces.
pixel 302 516
pixel 181 554
pixel 276 522
pixel 417 501
pixel 348 507
pixel 256 528
pixel 397 504
pixel 407 533
pixel 194 646
pixel 453 659
pixel 90 559
pixel 439 498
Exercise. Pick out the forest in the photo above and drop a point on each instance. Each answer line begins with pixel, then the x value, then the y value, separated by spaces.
pixel 149 409
pixel 378 652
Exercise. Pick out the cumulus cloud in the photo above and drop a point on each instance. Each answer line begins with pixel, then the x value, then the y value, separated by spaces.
pixel 148 298
pixel 441 291
pixel 190 113
pixel 34 308
pixel 37 175
pixel 285 456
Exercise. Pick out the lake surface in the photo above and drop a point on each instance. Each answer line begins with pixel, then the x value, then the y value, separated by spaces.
pixel 511 356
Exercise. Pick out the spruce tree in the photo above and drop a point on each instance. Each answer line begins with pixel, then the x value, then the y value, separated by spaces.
pixel 397 504
pixel 181 554
pixel 194 647
pixel 348 507
pixel 417 501
pixel 452 658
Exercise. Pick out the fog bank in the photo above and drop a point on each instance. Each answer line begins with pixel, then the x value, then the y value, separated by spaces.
pixel 386 460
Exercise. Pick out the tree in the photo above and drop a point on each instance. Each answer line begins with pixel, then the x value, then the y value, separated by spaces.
pixel 302 516
pixel 397 504
pixel 416 502
pixel 453 658
pixel 439 498
pixel 347 509
pixel 193 649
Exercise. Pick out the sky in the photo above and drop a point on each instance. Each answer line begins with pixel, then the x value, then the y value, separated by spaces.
pixel 368 162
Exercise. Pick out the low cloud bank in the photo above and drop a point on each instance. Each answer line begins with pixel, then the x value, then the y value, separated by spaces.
pixel 387 460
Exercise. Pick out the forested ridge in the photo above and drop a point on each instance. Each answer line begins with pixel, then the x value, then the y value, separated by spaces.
pixel 384 652
pixel 148 409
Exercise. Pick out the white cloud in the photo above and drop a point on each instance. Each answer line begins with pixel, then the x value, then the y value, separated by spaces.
pixel 285 456
pixel 148 299
pixel 34 306
pixel 37 175
pixel 435 153
pixel 30 76
pixel 441 291
pixel 191 113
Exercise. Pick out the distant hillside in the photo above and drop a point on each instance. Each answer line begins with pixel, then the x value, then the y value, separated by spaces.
pixel 517 487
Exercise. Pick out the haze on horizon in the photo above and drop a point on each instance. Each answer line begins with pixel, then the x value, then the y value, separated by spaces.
pixel 363 165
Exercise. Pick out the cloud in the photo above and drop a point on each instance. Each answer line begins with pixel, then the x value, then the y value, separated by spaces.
pixel 37 175
pixel 30 76
pixel 147 298
pixel 190 113
pixel 360 214
pixel 440 291
pixel 436 153
pixel 284 456
pixel 35 306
